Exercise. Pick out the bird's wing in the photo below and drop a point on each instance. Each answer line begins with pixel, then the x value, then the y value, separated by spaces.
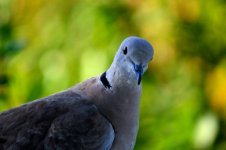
pixel 61 121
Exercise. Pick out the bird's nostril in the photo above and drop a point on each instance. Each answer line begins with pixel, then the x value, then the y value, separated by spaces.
pixel 138 68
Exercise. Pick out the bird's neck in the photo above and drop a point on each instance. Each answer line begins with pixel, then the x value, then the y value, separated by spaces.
pixel 122 76
pixel 123 107
pixel 118 98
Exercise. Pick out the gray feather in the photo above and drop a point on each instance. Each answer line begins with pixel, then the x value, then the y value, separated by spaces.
pixel 62 121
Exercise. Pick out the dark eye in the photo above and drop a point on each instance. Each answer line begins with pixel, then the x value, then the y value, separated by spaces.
pixel 125 50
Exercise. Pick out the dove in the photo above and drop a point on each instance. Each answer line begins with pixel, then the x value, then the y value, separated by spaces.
pixel 101 113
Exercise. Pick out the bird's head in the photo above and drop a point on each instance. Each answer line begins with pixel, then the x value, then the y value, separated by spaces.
pixel 133 57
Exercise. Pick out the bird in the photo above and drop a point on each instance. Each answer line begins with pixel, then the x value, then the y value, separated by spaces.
pixel 101 113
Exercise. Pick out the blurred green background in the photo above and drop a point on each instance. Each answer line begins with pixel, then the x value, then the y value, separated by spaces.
pixel 48 46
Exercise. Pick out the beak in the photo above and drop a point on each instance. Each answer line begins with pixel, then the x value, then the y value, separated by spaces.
pixel 139 72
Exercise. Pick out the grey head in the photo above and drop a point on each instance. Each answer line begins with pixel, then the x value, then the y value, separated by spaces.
pixel 133 57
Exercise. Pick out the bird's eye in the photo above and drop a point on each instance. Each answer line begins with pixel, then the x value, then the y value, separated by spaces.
pixel 125 50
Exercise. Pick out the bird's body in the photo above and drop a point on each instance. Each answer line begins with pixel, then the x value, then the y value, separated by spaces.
pixel 65 120
pixel 100 113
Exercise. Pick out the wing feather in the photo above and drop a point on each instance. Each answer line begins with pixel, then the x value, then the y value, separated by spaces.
pixel 62 121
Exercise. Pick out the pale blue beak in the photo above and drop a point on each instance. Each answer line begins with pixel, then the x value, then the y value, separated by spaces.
pixel 139 72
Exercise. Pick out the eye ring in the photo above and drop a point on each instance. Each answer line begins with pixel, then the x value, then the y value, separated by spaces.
pixel 125 50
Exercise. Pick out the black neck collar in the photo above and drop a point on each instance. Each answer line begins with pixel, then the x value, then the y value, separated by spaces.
pixel 105 81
